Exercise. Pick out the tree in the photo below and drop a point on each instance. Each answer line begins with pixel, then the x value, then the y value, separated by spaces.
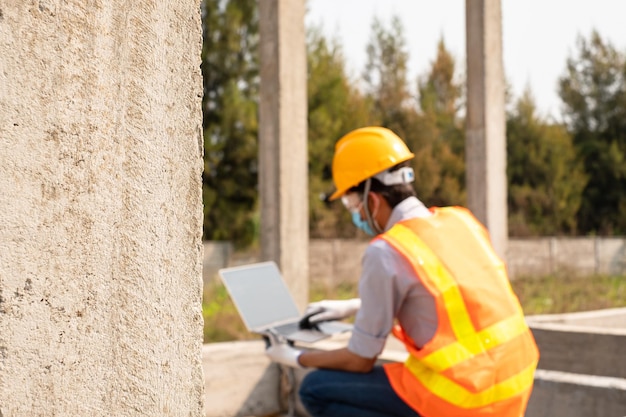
pixel 385 76
pixel 440 102
pixel 335 107
pixel 545 180
pixel 593 90
pixel 230 124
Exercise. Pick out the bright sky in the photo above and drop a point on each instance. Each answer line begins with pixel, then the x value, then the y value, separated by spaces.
pixel 537 35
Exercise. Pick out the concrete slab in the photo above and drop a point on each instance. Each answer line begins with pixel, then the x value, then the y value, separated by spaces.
pixel 606 320
pixel 591 343
pixel 582 371
pixel 239 380
pixel 563 394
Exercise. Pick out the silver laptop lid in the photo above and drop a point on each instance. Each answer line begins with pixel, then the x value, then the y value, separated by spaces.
pixel 260 295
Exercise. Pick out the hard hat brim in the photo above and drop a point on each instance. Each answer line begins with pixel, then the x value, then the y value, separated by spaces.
pixel 337 194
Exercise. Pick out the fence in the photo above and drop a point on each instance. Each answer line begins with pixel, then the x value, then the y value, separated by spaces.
pixel 339 260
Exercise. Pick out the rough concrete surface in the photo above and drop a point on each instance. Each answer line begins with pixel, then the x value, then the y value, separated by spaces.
pixel 100 208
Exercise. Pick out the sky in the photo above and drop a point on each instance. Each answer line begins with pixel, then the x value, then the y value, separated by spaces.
pixel 537 35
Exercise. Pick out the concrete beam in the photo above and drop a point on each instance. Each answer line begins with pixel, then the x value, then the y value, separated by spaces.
pixel 485 147
pixel 283 182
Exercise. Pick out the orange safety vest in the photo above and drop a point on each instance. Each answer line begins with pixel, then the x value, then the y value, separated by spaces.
pixel 482 358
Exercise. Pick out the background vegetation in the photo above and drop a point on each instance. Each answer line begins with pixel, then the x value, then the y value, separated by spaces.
pixel 565 177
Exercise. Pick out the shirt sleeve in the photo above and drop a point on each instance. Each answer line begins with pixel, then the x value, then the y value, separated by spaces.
pixel 379 302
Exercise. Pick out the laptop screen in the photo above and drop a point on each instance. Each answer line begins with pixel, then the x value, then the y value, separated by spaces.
pixel 260 294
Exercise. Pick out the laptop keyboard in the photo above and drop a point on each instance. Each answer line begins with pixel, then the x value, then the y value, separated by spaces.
pixel 288 328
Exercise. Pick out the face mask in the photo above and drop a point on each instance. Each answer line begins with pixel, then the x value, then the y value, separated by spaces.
pixel 372 216
pixel 362 224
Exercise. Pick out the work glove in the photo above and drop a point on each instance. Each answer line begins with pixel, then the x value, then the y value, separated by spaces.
pixel 326 310
pixel 284 354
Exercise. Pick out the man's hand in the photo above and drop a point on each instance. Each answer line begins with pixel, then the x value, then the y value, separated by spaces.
pixel 284 354
pixel 333 309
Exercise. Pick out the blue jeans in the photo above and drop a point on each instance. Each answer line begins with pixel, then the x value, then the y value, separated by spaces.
pixel 326 393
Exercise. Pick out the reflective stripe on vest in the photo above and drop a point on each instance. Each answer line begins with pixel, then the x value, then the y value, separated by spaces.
pixel 465 341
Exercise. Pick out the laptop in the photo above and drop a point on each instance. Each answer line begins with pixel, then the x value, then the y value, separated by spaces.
pixel 266 305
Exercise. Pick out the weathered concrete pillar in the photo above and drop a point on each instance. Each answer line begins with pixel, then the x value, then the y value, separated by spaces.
pixel 100 208
pixel 283 142
pixel 486 126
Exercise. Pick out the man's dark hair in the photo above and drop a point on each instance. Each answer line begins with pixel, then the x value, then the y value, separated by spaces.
pixel 393 194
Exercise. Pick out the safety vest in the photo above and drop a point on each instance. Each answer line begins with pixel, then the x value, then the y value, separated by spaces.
pixel 482 358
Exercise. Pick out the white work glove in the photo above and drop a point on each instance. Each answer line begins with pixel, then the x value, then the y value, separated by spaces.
pixel 284 354
pixel 332 309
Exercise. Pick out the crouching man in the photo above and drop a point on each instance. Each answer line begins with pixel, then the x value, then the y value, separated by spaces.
pixel 430 277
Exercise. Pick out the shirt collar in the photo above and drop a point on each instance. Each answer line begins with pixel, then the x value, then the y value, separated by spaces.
pixel 408 208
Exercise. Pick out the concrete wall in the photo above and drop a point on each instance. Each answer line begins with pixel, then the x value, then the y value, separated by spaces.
pixel 578 256
pixel 100 208
pixel 336 260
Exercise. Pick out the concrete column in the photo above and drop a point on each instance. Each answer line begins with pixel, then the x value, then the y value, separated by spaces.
pixel 486 125
pixel 100 208
pixel 283 142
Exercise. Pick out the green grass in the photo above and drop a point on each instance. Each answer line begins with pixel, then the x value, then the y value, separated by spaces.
pixel 565 294
pixel 538 295
pixel 221 320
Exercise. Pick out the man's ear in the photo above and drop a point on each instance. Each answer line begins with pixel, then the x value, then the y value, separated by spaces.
pixel 372 200
pixel 376 199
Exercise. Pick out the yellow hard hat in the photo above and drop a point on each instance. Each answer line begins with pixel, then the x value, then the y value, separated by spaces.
pixel 363 153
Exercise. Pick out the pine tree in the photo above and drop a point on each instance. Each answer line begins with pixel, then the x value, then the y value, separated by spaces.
pixel 593 90
pixel 545 181
pixel 231 85
pixel 440 102
pixel 385 76
pixel 335 107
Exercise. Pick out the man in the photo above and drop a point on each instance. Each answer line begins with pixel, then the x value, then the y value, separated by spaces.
pixel 430 277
